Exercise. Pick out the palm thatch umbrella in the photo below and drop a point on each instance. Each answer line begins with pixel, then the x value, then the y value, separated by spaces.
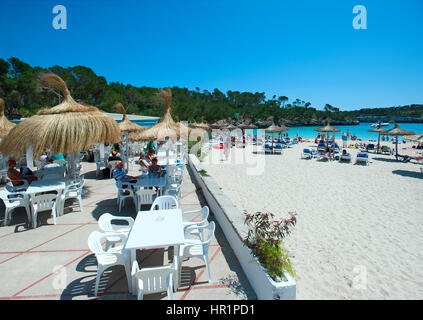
pixel 216 125
pixel 69 127
pixel 5 125
pixel 166 127
pixel 327 128
pixel 397 131
pixel 126 126
pixel 273 129
pixel 415 137
pixel 201 125
pixel 380 131
pixel 244 126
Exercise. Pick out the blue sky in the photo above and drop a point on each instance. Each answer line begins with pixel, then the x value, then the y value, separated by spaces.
pixel 301 49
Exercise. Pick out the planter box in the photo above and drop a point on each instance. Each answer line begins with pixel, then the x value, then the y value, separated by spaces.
pixel 231 220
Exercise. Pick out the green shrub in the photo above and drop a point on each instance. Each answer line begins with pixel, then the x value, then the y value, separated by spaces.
pixel 265 239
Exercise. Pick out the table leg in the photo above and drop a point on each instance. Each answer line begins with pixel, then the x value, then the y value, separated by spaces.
pixel 177 278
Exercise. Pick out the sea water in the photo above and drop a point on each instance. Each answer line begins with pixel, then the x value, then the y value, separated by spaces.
pixel 308 132
pixel 360 130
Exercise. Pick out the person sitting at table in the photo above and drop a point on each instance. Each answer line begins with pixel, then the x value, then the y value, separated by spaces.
pixel 150 155
pixel 114 156
pixel 154 167
pixel 45 160
pixel 145 163
pixel 120 175
pixel 14 175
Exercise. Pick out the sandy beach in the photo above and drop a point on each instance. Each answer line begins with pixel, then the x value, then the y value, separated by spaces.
pixel 359 228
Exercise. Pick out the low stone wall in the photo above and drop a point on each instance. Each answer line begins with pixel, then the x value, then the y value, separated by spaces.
pixel 231 220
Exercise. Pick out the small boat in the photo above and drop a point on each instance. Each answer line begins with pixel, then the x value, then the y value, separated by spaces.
pixel 382 124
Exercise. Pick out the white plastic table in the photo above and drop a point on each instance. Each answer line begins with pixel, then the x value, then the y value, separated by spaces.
pixel 45 186
pixel 156 229
pixel 57 171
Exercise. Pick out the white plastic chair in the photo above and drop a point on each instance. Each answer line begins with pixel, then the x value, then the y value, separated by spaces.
pixel 152 280
pixel 13 201
pixel 197 248
pixel 106 225
pixel 109 258
pixel 165 203
pixel 112 166
pixel 99 164
pixel 201 220
pixel 173 188
pixel 122 196
pixel 73 191
pixel 144 196
pixel 43 202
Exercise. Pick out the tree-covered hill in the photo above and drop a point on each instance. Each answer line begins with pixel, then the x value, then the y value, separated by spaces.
pixel 19 87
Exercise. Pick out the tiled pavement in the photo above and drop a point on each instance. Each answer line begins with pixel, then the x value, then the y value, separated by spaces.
pixel 54 262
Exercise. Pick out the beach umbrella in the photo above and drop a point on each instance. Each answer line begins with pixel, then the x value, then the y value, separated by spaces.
pixel 244 126
pixel 202 125
pixel 380 131
pixel 415 137
pixel 5 125
pixel 282 126
pixel 273 129
pixel 126 126
pixel 165 128
pixel 69 127
pixel 397 131
pixel 326 129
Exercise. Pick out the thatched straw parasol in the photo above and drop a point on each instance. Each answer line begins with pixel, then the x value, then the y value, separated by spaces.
pixel 282 126
pixel 126 125
pixel 327 128
pixel 165 128
pixel 202 125
pixel 66 128
pixel 5 125
pixel 216 125
pixel 230 127
pixel 397 131
pixel 273 129
pixel 415 137
pixel 380 131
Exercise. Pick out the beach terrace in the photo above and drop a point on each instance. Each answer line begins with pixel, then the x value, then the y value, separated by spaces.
pixel 54 262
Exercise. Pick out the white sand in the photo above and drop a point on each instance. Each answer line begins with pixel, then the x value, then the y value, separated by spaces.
pixel 359 232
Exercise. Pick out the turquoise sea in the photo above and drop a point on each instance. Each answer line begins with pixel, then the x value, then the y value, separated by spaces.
pixel 308 132
pixel 360 130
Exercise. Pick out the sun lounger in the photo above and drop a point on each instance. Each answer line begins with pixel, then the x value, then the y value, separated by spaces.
pixel 321 147
pixel 278 148
pixel 307 154
pixel 345 157
pixel 362 157
pixel 268 148
pixel 386 149
pixel 370 146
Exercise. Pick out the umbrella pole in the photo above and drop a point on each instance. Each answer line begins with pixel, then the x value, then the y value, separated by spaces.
pixel 378 141
pixel 396 145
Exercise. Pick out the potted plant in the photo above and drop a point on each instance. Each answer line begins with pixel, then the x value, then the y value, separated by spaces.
pixel 265 240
